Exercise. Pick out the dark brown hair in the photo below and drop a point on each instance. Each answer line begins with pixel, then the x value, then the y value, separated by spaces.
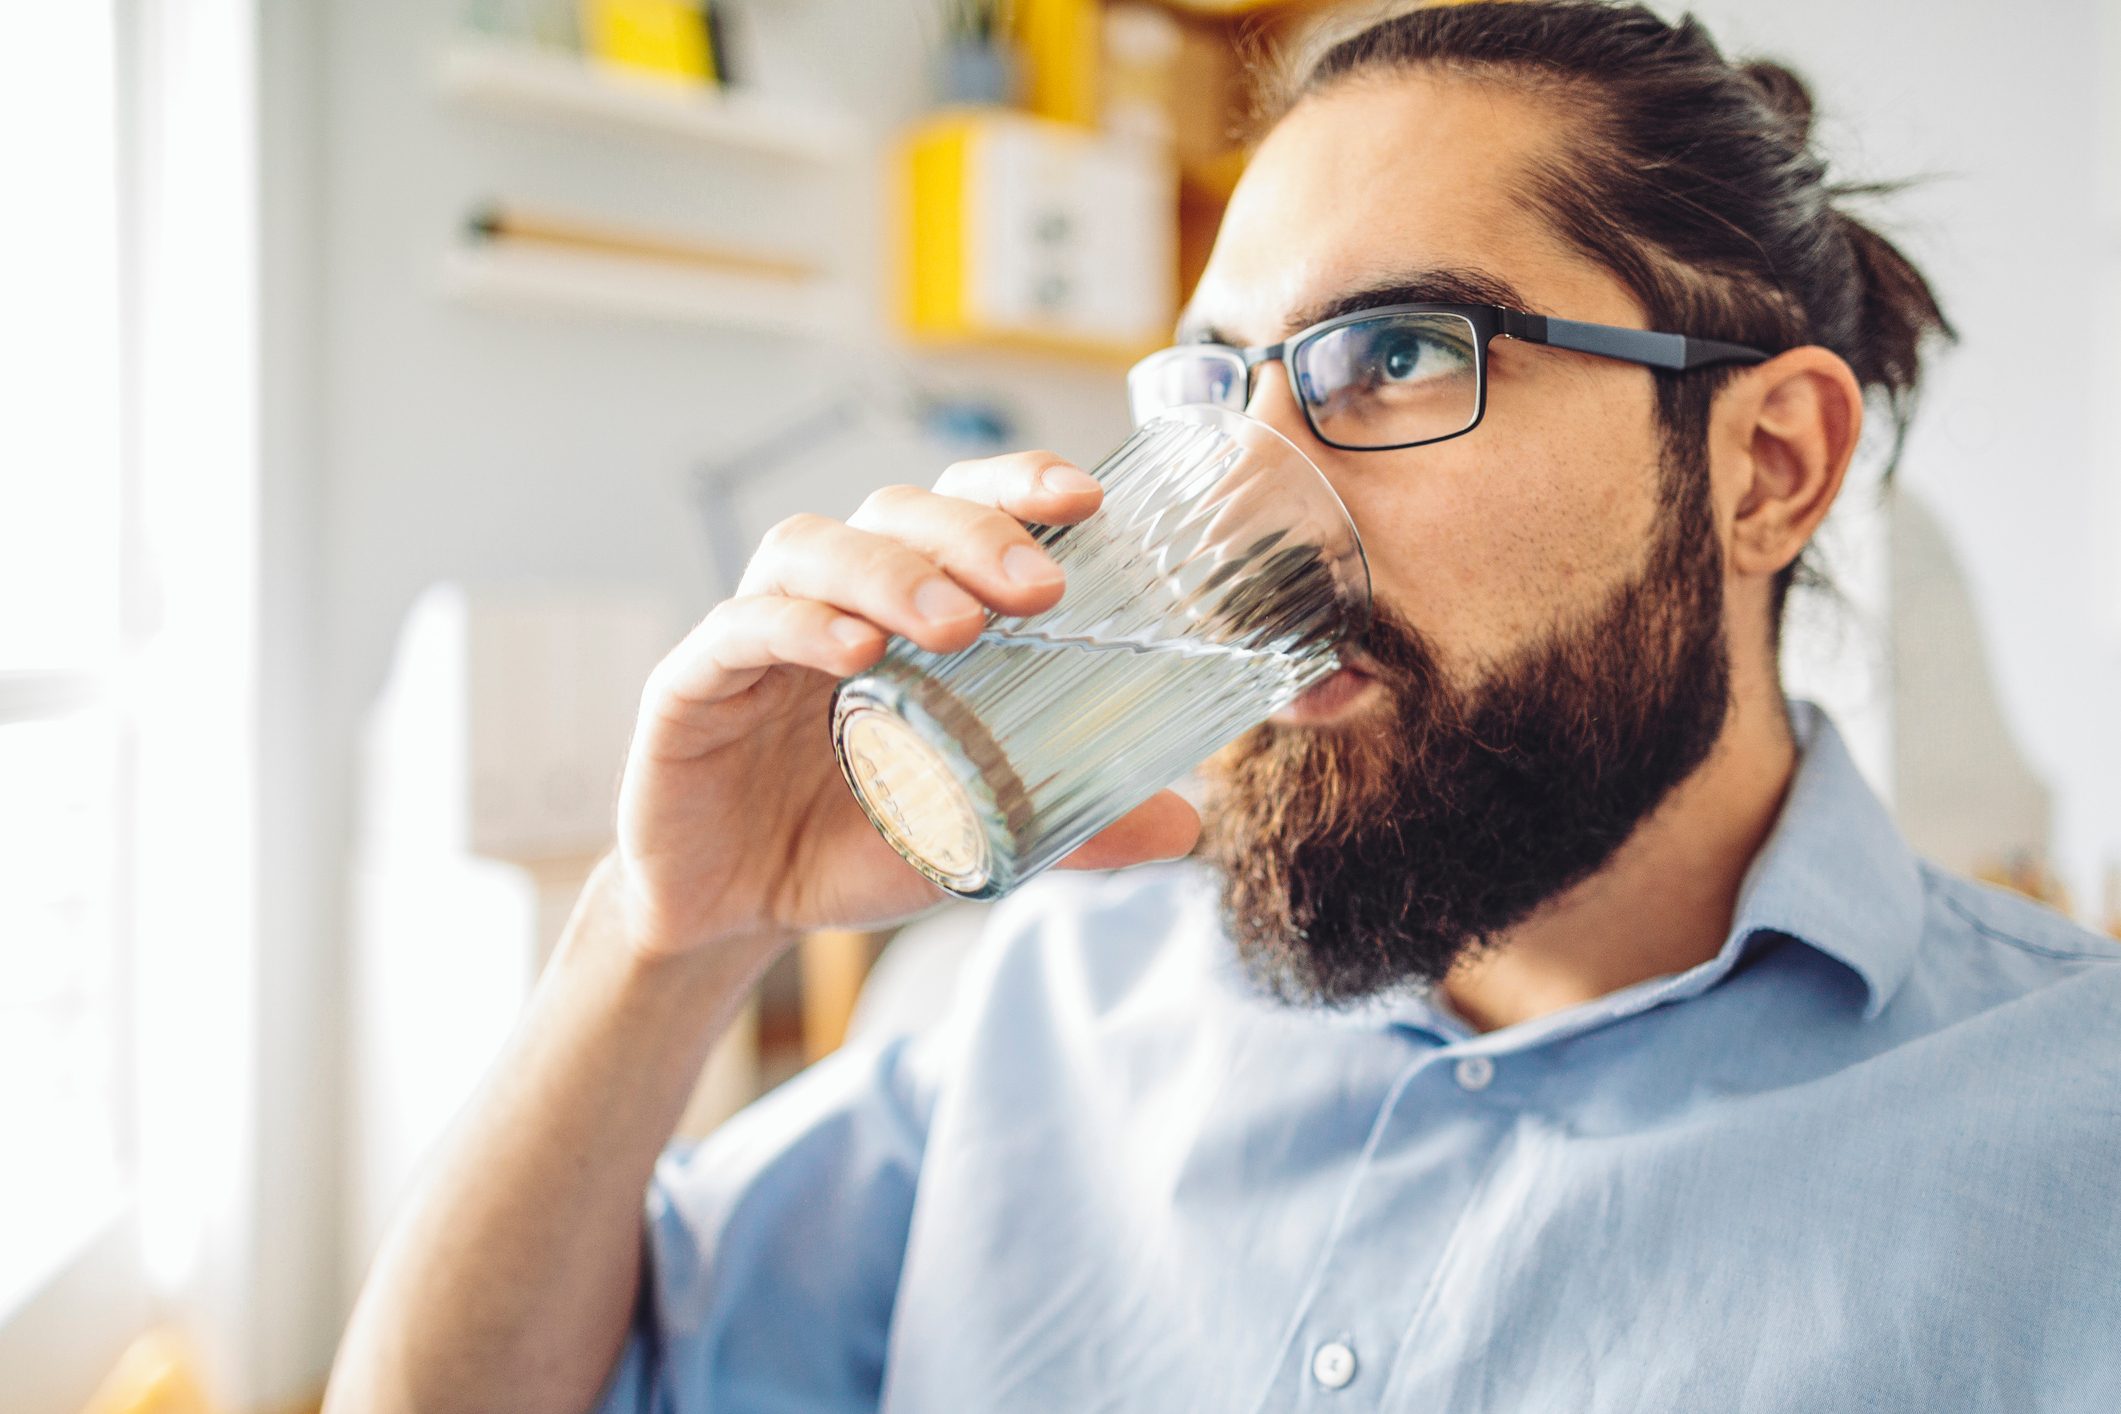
pixel 1693 179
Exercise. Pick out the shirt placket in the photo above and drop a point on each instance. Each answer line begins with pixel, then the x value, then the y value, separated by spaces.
pixel 1436 1137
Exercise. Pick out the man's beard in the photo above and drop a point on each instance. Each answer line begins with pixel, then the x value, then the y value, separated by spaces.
pixel 1374 855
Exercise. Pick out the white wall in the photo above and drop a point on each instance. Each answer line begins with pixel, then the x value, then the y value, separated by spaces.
pixel 295 1318
pixel 1998 109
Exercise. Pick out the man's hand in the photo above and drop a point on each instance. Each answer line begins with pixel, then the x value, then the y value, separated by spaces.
pixel 734 819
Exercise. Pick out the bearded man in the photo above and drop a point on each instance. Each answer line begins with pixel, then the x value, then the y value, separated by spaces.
pixel 1541 1014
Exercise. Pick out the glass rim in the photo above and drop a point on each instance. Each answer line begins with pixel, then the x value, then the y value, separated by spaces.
pixel 1235 420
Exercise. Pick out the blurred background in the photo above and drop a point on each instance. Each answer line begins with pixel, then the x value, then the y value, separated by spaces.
pixel 386 384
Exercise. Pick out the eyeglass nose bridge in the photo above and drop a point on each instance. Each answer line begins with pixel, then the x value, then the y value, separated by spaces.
pixel 1259 357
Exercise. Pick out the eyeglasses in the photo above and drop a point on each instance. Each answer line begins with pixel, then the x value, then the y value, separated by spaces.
pixel 1401 375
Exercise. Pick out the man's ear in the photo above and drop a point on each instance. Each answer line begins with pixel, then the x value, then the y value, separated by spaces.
pixel 1796 419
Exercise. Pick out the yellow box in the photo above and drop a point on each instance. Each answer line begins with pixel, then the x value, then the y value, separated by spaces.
pixel 660 36
pixel 1021 232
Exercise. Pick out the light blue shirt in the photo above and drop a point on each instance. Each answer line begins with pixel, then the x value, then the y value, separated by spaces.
pixel 1868 1157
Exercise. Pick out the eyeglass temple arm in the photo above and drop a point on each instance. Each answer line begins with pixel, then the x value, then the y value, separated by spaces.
pixel 1673 351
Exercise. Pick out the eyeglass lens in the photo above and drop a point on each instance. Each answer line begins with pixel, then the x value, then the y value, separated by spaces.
pixel 1206 373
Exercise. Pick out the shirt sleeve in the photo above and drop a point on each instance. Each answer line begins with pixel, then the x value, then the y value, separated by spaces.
pixel 774 1245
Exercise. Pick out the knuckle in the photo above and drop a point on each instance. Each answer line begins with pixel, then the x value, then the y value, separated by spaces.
pixel 803 616
pixel 665 681
pixel 792 529
pixel 793 552
pixel 717 620
pixel 961 473
pixel 899 565
pixel 996 530
pixel 860 557
pixel 884 500
pixel 717 628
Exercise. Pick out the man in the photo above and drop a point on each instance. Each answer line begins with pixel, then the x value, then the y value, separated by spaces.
pixel 1548 1018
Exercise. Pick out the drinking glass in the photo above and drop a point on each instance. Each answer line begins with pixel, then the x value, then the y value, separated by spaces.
pixel 1208 590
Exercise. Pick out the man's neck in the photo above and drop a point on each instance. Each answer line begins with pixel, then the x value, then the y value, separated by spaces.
pixel 1664 902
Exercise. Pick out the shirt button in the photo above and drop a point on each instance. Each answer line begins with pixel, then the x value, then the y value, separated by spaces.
pixel 1474 1072
pixel 1333 1365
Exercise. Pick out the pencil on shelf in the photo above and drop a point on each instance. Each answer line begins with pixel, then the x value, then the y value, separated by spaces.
pixel 497 223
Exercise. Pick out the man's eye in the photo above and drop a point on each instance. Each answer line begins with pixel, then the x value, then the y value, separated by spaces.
pixel 1401 358
pixel 1405 355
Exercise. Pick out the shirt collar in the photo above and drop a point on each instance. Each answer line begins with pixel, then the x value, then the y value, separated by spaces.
pixel 1835 873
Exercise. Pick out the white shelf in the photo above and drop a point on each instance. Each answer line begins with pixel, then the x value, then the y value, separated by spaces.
pixel 529 81
pixel 26 696
pixel 513 277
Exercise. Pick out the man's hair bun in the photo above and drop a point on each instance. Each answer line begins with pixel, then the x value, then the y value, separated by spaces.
pixel 1786 95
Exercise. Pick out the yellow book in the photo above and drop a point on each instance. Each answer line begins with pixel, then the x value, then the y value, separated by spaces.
pixel 1059 43
pixel 659 36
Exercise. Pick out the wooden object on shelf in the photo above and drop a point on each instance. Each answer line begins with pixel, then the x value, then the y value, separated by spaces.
pixel 158 1374
pixel 527 81
pixel 834 963
pixel 730 1079
pixel 1207 94
pixel 2023 872
pixel 497 223
pixel 1137 89
pixel 1211 94
pixel 1020 232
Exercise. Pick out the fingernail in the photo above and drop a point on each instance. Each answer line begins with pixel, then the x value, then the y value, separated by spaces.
pixel 1062 479
pixel 852 632
pixel 940 601
pixel 1026 565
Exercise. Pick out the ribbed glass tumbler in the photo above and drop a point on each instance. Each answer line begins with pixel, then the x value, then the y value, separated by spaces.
pixel 1208 590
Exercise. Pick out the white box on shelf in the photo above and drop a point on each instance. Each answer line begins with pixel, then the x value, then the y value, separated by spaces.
pixel 1072 234
pixel 505 720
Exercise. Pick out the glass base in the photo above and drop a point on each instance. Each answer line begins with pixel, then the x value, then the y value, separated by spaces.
pixel 935 805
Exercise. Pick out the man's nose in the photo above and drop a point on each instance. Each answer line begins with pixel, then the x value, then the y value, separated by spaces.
pixel 1273 401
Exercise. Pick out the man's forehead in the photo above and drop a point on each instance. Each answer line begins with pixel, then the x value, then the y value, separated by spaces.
pixel 1381 192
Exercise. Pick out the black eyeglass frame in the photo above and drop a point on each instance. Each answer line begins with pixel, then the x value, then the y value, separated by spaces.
pixel 1674 353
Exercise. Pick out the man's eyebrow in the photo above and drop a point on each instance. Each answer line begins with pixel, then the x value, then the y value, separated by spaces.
pixel 1449 284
